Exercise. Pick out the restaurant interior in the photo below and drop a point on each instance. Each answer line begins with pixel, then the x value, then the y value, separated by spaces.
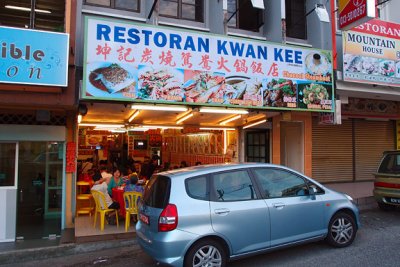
pixel 123 134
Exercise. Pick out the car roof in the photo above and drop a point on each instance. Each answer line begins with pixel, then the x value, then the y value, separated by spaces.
pixel 205 169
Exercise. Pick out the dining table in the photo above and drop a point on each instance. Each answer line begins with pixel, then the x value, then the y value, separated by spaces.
pixel 118 196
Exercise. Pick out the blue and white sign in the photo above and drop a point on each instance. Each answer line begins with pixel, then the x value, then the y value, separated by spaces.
pixel 33 57
pixel 128 61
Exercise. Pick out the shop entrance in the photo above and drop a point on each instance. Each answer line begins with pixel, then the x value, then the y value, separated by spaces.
pixel 292 145
pixel 39 191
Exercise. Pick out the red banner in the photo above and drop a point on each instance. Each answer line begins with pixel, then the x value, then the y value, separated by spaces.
pixel 70 157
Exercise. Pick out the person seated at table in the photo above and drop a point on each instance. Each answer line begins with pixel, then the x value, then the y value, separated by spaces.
pixel 133 186
pixel 101 184
pixel 116 180
pixel 105 173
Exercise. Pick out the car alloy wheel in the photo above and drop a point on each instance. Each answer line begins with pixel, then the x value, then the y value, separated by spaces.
pixel 206 253
pixel 342 230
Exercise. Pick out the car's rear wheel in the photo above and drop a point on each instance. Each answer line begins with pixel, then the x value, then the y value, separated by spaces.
pixel 385 207
pixel 206 252
pixel 342 230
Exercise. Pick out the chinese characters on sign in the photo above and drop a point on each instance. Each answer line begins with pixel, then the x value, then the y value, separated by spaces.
pixel 71 157
pixel 142 62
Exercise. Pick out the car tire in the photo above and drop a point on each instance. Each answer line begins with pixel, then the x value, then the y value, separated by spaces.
pixel 342 230
pixel 206 251
pixel 385 207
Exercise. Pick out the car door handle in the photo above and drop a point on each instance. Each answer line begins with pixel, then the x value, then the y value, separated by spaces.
pixel 221 211
pixel 278 205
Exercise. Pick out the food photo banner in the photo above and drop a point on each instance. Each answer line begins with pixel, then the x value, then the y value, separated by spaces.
pixel 137 62
pixel 371 53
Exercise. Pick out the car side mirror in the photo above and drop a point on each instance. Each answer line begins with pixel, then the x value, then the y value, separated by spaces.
pixel 312 192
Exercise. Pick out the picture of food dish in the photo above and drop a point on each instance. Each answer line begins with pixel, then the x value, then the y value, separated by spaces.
pixel 315 94
pixel 242 88
pixel 160 84
pixel 111 78
pixel 369 65
pixel 318 63
pixel 203 87
pixel 280 93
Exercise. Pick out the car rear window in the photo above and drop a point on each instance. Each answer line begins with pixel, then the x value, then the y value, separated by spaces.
pixel 156 194
pixel 390 164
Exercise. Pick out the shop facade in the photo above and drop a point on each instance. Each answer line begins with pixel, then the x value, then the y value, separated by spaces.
pixel 37 120
pixel 368 88
pixel 185 95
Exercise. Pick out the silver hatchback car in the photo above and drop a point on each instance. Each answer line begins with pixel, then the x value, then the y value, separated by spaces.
pixel 208 215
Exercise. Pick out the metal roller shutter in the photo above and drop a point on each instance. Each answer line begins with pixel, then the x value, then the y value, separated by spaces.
pixel 371 139
pixel 332 152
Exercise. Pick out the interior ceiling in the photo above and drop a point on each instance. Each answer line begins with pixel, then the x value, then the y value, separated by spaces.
pixel 113 113
pixel 20 19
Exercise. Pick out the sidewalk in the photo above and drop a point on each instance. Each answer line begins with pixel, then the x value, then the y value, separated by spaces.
pixel 24 251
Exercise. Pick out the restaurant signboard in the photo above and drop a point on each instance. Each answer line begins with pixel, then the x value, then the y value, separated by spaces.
pixel 355 12
pixel 371 53
pixel 33 57
pixel 133 62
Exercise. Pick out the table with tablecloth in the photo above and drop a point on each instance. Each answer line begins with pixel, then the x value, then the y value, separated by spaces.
pixel 118 196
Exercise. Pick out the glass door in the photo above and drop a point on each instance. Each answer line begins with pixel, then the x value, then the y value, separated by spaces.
pixel 40 173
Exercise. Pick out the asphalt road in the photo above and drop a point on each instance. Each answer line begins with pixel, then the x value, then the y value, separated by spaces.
pixel 377 244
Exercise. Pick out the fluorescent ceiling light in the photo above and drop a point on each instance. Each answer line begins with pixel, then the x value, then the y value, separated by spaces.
pixel 163 127
pixel 118 131
pixel 159 107
pixel 223 110
pixel 27 9
pixel 183 118
pixel 254 124
pixel 216 128
pixel 134 115
pixel 230 119
pixel 138 129
pixel 103 125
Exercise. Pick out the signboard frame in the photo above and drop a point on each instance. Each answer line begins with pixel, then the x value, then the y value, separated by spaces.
pixel 34 57
pixel 113 45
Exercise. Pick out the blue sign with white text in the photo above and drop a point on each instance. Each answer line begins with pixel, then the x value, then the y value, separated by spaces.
pixel 33 57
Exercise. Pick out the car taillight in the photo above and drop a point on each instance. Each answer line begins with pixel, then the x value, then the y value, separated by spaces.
pixel 387 185
pixel 168 219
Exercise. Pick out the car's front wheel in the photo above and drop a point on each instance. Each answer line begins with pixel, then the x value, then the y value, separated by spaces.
pixel 342 230
pixel 206 252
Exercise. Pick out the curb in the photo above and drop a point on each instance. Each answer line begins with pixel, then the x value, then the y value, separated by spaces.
pixel 366 203
pixel 32 254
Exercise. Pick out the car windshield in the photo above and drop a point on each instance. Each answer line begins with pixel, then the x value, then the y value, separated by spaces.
pixel 390 164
